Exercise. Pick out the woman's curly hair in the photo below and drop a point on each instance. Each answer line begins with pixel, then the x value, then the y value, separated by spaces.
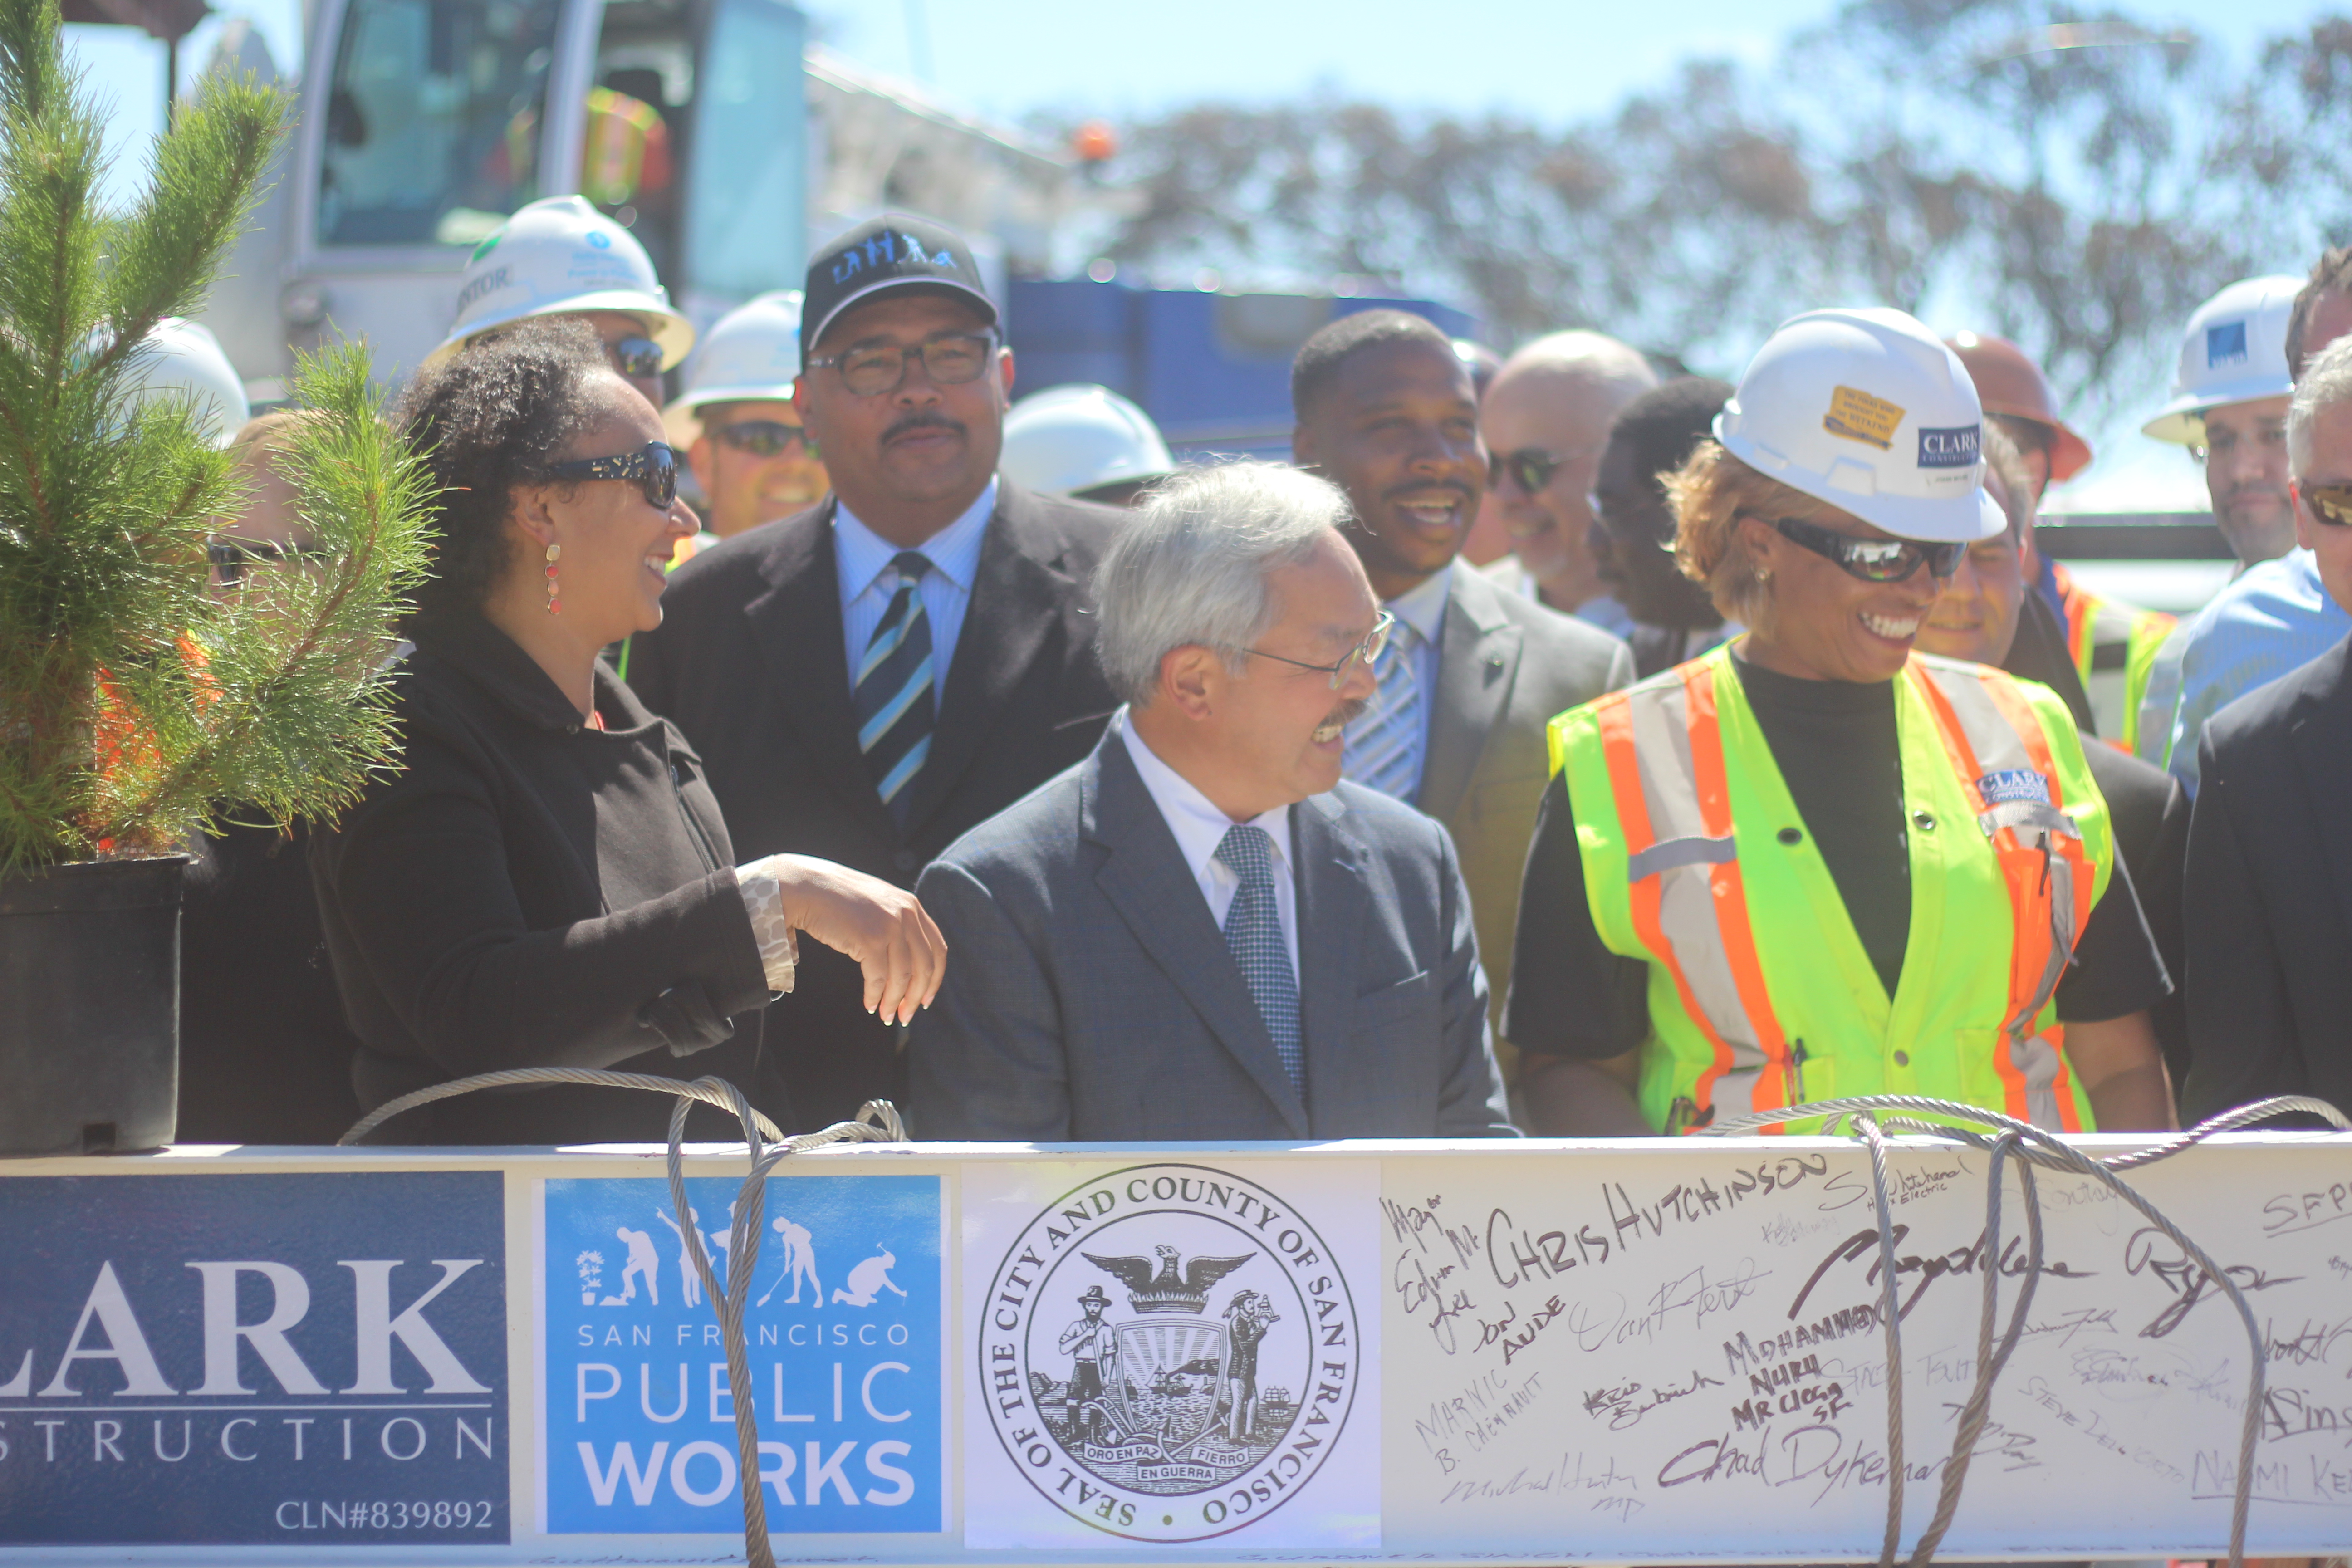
pixel 490 418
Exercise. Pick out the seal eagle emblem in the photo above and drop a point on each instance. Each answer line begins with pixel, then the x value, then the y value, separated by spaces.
pixel 1219 1393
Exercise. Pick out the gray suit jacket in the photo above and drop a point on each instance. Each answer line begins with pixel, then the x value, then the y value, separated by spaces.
pixel 1508 667
pixel 1090 997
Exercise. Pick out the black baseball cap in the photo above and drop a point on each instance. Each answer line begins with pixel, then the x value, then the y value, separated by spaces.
pixel 896 250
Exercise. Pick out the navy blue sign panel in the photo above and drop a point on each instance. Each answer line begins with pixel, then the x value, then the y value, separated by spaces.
pixel 299 1360
pixel 843 1333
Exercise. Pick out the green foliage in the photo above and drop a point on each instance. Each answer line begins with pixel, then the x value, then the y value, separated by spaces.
pixel 131 700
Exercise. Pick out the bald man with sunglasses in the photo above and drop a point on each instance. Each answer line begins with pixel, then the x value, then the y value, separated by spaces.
pixel 2270 845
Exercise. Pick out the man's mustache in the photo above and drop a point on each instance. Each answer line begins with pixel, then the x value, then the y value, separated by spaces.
pixel 1348 712
pixel 921 419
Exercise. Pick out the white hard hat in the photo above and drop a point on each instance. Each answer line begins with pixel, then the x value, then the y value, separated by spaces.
pixel 2233 351
pixel 557 257
pixel 752 354
pixel 182 359
pixel 1067 439
pixel 1868 411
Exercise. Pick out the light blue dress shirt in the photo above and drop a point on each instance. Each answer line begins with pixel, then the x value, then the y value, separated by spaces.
pixel 1421 629
pixel 861 558
pixel 2275 619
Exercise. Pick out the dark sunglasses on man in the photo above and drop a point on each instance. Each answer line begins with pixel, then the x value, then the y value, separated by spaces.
pixel 2331 504
pixel 763 437
pixel 1529 468
pixel 654 468
pixel 634 356
pixel 1872 560
pixel 230 557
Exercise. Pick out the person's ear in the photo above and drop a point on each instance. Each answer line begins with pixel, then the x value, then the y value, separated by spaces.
pixel 1305 451
pixel 1760 542
pixel 2305 535
pixel 531 511
pixel 1004 374
pixel 1193 679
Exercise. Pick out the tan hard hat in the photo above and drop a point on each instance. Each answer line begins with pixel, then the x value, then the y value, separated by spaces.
pixel 2009 383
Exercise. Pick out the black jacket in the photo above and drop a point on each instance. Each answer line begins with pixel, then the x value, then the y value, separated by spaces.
pixel 749 663
pixel 530 891
pixel 2270 895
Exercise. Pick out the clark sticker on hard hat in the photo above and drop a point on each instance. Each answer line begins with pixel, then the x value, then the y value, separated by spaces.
pixel 1955 446
pixel 1171 1352
pixel 842 1329
pixel 1858 417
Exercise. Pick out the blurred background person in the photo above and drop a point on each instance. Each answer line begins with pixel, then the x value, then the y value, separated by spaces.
pixel 870 678
pixel 1085 442
pixel 2270 994
pixel 1472 673
pixel 1545 421
pixel 1990 613
pixel 561 256
pixel 548 881
pixel 1847 912
pixel 751 460
pixel 1633 537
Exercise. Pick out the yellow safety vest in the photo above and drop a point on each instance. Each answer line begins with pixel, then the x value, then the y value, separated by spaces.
pixel 613 156
pixel 1761 992
pixel 2092 623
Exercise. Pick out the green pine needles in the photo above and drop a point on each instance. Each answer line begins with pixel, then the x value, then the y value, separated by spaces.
pixel 135 706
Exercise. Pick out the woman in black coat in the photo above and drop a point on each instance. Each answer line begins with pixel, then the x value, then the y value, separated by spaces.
pixel 547 881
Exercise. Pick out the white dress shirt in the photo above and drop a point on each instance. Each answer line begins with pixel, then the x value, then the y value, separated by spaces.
pixel 1200 827
pixel 862 562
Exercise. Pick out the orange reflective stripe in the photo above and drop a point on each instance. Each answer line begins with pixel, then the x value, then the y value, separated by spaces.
pixel 2082 611
pixel 1772 1087
pixel 1615 717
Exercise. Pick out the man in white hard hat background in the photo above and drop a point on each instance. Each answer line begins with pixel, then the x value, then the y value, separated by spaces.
pixel 870 678
pixel 743 439
pixel 1084 441
pixel 2277 616
pixel 561 256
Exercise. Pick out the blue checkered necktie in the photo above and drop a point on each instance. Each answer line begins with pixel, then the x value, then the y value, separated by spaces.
pixel 892 694
pixel 1384 748
pixel 1254 936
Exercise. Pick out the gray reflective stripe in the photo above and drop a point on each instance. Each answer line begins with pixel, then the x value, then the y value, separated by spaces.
pixel 2024 814
pixel 1673 853
pixel 1682 857
pixel 1995 740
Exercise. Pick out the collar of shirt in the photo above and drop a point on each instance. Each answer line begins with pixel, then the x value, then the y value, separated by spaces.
pixel 1423 605
pixel 1194 819
pixel 953 550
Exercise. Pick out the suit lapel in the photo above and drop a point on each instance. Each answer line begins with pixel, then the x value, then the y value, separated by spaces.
pixel 1147 882
pixel 1018 593
pixel 1334 902
pixel 797 625
pixel 1478 659
pixel 2322 734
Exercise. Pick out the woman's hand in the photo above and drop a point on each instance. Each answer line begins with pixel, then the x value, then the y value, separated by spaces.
pixel 883 927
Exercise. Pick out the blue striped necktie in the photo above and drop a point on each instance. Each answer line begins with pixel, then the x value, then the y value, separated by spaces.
pixel 1384 748
pixel 1254 936
pixel 895 710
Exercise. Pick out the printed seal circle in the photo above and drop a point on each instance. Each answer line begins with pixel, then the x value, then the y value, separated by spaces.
pixel 1169 1352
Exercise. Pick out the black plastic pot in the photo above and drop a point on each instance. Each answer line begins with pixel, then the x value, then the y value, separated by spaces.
pixel 89 1006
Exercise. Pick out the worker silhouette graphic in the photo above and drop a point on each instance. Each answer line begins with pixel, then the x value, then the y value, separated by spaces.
pixel 644 1264
pixel 800 1263
pixel 869 1280
pixel 691 1288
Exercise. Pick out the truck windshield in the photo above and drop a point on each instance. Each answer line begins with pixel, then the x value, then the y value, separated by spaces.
pixel 433 120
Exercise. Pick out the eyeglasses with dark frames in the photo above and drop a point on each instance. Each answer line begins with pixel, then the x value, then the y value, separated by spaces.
pixel 950 359
pixel 634 356
pixel 763 437
pixel 653 467
pixel 1872 560
pixel 230 557
pixel 1364 653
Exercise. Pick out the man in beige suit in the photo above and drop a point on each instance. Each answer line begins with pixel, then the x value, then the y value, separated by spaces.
pixel 1385 410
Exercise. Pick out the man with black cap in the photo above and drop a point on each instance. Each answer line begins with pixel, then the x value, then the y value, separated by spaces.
pixel 869 678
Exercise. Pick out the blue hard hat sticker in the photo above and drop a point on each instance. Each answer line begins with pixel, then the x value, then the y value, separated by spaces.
pixel 2225 344
pixel 600 239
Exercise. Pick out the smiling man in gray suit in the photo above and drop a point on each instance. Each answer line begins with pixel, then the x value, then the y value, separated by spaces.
pixel 1199 932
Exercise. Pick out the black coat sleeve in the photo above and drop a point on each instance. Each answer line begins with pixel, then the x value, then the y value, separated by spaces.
pixel 2242 1026
pixel 1570 996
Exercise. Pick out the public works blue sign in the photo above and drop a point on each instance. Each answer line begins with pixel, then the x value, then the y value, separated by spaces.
pixel 253 1359
pixel 843 1332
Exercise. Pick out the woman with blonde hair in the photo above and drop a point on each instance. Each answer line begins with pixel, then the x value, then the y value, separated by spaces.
pixel 1814 863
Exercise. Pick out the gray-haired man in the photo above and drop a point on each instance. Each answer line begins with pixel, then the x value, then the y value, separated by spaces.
pixel 1199 932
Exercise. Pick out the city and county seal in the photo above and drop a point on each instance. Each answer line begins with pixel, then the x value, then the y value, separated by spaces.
pixel 1169 1352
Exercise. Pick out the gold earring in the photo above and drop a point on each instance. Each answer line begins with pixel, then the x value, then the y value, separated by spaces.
pixel 554 608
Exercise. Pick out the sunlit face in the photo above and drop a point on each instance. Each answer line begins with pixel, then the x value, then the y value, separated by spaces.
pixel 611 327
pixel 615 544
pixel 919 442
pixel 2331 464
pixel 1567 417
pixel 1397 429
pixel 1819 622
pixel 268 523
pixel 1976 617
pixel 744 486
pixel 2245 475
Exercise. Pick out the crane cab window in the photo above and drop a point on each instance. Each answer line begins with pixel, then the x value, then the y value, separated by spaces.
pixel 433 120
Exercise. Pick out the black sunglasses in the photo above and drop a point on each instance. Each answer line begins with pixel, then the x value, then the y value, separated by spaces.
pixel 229 557
pixel 763 437
pixel 1872 560
pixel 634 356
pixel 654 465
pixel 1530 467
pixel 2331 504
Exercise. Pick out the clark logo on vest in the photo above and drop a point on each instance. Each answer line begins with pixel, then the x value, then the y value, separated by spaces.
pixel 1761 993
pixel 1213 1398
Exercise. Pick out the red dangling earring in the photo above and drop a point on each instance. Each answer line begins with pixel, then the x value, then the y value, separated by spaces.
pixel 554 608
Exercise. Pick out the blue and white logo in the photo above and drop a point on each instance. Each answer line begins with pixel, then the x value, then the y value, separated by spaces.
pixel 843 1332
pixel 2225 344
pixel 297 1359
pixel 1954 447
pixel 2014 785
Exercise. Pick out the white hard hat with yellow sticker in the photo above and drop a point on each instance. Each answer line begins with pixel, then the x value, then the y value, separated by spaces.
pixel 1868 411
pixel 561 256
